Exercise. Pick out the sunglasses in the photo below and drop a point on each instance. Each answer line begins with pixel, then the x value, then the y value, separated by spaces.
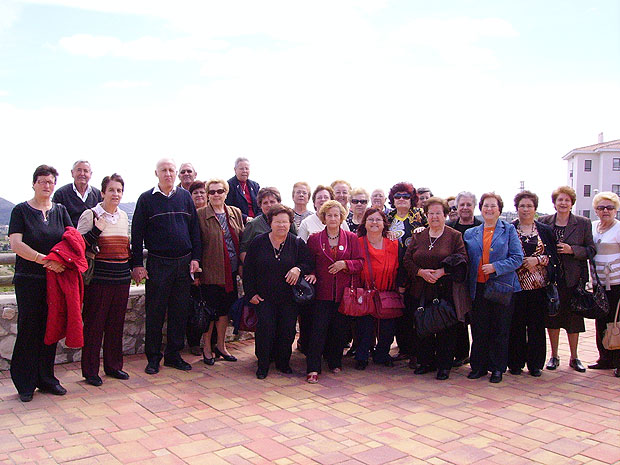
pixel 356 201
pixel 453 209
pixel 218 191
pixel 402 196
pixel 602 208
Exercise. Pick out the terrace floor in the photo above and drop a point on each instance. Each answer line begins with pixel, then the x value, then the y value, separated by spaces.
pixel 223 414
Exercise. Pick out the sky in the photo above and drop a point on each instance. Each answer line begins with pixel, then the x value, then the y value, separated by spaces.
pixel 453 95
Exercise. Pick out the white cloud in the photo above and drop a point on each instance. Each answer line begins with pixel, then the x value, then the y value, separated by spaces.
pixel 9 14
pixel 125 84
pixel 4 93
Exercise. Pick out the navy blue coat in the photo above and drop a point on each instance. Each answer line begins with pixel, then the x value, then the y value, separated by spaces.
pixel 235 197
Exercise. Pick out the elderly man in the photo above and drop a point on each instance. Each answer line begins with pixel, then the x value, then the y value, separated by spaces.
pixel 242 190
pixel 165 221
pixel 465 204
pixel 377 200
pixel 78 195
pixel 424 193
pixel 187 175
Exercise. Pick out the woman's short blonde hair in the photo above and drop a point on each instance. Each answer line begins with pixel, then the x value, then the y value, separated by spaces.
pixel 223 182
pixel 359 191
pixel 302 184
pixel 331 204
pixel 613 198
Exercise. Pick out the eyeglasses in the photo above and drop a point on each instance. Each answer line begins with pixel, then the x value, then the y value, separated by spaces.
pixel 602 208
pixel 41 182
pixel 402 196
pixel 218 191
pixel 356 201
pixel 186 171
pixel 452 209
pixel 374 220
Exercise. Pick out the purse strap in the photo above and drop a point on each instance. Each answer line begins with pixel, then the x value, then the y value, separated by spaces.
pixel 372 279
pixel 617 310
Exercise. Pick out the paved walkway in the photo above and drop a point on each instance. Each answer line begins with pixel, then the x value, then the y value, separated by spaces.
pixel 223 414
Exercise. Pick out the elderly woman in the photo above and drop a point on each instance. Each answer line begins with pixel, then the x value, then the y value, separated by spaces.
pixel 383 253
pixel 313 223
pixel 339 261
pixel 377 200
pixel 301 197
pixel 198 189
pixel 436 263
pixel 35 227
pixel 342 192
pixel 359 204
pixel 495 254
pixel 286 258
pixel 606 234
pixel 575 246
pixel 404 218
pixel 105 298
pixel 527 343
pixel 220 228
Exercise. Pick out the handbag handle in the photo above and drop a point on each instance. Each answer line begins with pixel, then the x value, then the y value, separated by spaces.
pixel 372 279
pixel 617 310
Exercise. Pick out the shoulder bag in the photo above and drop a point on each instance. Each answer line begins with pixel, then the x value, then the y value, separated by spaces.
pixel 303 291
pixel 388 304
pixel 357 301
pixel 434 316
pixel 202 314
pixel 498 291
pixel 611 338
pixel 590 304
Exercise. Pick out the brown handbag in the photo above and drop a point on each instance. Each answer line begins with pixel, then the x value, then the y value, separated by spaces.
pixel 611 338
pixel 388 304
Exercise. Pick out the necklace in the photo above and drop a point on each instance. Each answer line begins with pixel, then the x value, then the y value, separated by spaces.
pixel 432 242
pixel 334 237
pixel 529 236
pixel 277 252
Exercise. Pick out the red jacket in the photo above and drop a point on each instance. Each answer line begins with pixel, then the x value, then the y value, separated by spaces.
pixel 65 291
pixel 330 286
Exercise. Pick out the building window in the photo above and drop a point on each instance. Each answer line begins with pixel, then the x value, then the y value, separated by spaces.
pixel 615 188
pixel 586 213
pixel 586 190
pixel 616 164
pixel 588 165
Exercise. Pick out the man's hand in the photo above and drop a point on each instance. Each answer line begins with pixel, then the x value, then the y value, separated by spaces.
pixel 194 267
pixel 138 274
pixel 256 299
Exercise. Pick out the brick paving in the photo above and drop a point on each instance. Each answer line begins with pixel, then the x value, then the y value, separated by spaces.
pixel 224 415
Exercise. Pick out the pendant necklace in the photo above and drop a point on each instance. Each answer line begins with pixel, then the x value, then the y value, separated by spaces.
pixel 432 242
pixel 277 252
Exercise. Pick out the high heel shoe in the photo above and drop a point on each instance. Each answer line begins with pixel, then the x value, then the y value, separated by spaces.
pixel 227 357
pixel 206 360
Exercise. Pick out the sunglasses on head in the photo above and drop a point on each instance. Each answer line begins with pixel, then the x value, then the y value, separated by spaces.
pixel 402 196
pixel 218 191
pixel 605 207
pixel 356 201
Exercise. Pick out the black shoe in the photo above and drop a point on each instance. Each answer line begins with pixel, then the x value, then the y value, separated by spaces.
pixel 515 371
pixel 207 360
pixel 422 369
pixel 443 374
pixel 496 377
pixel 94 380
pixel 553 363
pixel 287 370
pixel 261 374
pixel 475 374
pixel 536 372
pixel 152 368
pixel 617 372
pixel 179 364
pixel 118 374
pixel 576 365
pixel 361 364
pixel 227 357
pixel 350 353
pixel 601 366
pixel 26 397
pixel 55 389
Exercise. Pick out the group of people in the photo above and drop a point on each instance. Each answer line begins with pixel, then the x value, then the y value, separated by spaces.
pixel 203 238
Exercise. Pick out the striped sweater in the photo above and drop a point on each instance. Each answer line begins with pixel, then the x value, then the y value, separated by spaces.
pixel 607 257
pixel 112 261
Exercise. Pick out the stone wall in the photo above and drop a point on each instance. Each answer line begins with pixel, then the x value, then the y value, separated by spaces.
pixel 133 338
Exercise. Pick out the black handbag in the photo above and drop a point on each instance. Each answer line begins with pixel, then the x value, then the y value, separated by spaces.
pixel 434 316
pixel 553 299
pixel 498 291
pixel 202 314
pixel 590 304
pixel 303 291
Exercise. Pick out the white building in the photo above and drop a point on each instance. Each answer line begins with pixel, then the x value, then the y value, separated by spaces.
pixel 591 170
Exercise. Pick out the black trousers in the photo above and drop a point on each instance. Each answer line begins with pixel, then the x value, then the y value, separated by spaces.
pixel 275 333
pixel 611 357
pixel 167 293
pixel 490 328
pixel 527 343
pixel 327 335
pixel 385 337
pixel 405 333
pixel 362 336
pixel 437 350
pixel 305 326
pixel 32 364
pixel 461 349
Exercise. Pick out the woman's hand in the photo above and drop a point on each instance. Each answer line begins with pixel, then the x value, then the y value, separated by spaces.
pixel 439 273
pixel 100 223
pixel 418 230
pixel 292 276
pixel 565 248
pixel 427 275
pixel 51 265
pixel 488 269
pixel 391 235
pixel 337 266
pixel 530 263
pixel 256 299
pixel 310 278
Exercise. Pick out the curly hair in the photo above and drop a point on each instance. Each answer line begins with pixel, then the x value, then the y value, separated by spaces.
pixel 331 204
pixel 526 195
pixel 278 209
pixel 403 187
pixel 564 190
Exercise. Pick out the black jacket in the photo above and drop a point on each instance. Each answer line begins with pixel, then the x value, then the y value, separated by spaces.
pixel 235 197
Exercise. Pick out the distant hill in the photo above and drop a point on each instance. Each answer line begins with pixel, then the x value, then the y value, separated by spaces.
pixel 5 211
pixel 6 207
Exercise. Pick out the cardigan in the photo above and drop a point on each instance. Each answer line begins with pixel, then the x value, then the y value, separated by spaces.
pixel 331 286
pixel 213 258
pixel 577 234
pixel 235 197
pixel 506 254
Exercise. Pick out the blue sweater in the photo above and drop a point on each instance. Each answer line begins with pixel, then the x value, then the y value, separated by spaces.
pixel 167 226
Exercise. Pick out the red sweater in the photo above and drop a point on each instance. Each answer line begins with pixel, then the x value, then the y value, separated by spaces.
pixel 65 291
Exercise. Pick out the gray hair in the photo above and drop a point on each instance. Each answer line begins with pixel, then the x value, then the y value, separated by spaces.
pixel 239 160
pixel 78 162
pixel 465 194
pixel 165 160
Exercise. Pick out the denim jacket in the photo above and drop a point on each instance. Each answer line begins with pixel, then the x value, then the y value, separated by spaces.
pixel 506 254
